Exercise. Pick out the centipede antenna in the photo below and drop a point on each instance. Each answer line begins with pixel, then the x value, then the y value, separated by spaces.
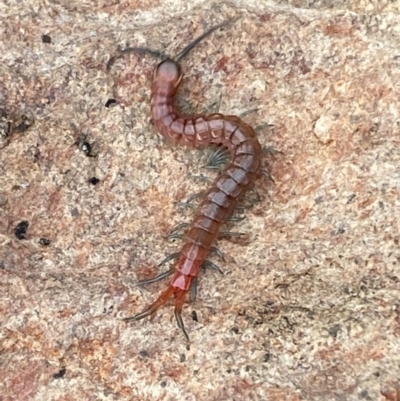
pixel 139 50
pixel 190 46
pixel 112 61
pixel 144 50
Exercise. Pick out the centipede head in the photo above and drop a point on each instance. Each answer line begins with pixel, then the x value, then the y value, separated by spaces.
pixel 168 71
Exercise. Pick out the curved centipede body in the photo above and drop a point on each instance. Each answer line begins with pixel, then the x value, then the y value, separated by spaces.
pixel 223 196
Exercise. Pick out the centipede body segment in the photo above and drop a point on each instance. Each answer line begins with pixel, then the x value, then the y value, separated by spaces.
pixel 223 196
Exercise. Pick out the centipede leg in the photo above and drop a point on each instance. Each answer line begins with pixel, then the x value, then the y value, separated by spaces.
pixel 266 174
pixel 230 234
pixel 245 113
pixel 256 193
pixel 250 200
pixel 269 150
pixel 193 290
pixel 213 266
pixel 195 196
pixel 177 229
pixel 175 236
pixel 157 278
pixel 193 287
pixel 218 252
pixel 207 263
pixel 213 107
pixel 139 316
pixel 261 127
pixel 236 219
pixel 152 309
pixel 169 257
pixel 180 300
pixel 201 178
pixel 217 159
pixel 185 205
pixel 190 199
pixel 186 107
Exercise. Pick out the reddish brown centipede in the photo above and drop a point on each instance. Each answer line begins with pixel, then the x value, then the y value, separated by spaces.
pixel 220 200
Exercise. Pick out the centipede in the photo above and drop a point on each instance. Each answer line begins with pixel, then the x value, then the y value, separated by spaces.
pixel 219 201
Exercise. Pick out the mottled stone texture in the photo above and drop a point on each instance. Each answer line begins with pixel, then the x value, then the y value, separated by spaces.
pixel 308 308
